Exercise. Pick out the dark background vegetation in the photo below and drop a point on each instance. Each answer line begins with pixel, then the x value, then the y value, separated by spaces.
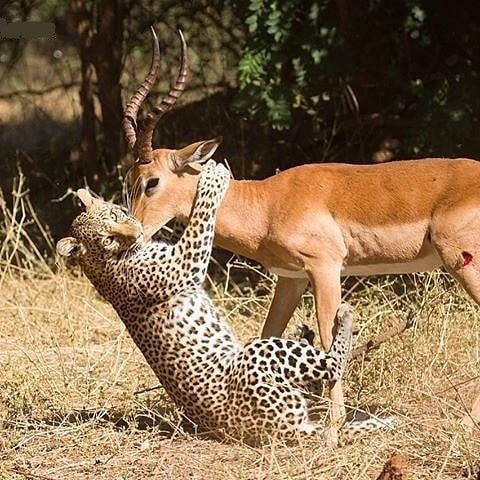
pixel 284 82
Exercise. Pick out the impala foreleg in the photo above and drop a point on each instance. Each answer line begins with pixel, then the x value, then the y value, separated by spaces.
pixel 325 278
pixel 288 292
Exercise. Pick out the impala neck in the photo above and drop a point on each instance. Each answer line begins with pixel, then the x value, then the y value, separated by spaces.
pixel 238 226
pixel 242 218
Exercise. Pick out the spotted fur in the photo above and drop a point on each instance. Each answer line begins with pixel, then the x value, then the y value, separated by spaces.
pixel 156 289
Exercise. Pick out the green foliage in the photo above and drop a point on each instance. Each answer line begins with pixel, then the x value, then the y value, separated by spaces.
pixel 447 115
pixel 292 45
pixel 414 61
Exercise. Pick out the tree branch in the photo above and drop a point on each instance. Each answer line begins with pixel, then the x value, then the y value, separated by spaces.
pixel 375 342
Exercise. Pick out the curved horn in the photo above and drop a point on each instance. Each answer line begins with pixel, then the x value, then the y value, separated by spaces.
pixel 144 147
pixel 131 110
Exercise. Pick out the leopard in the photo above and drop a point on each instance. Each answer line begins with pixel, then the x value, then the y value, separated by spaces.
pixel 156 287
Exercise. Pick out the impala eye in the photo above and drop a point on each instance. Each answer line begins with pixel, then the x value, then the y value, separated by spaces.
pixel 151 183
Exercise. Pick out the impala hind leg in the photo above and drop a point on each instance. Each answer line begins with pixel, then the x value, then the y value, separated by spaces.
pixel 325 278
pixel 469 276
pixel 464 264
pixel 288 292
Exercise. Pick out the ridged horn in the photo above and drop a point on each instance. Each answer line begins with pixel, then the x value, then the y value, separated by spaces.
pixel 129 123
pixel 144 147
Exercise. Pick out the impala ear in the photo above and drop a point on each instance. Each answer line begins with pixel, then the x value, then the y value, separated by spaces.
pixel 198 152
pixel 69 246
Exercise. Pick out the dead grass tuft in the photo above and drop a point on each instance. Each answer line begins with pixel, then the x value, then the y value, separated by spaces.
pixel 69 407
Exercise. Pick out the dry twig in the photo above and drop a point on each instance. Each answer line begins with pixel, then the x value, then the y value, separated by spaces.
pixel 375 342
pixel 29 475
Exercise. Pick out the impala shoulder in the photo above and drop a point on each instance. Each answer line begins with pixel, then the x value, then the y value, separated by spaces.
pixel 470 162
pixel 310 173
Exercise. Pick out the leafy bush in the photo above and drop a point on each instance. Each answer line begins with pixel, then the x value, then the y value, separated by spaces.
pixel 294 58
pixel 356 72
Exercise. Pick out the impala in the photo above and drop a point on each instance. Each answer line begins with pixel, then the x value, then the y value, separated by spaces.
pixel 316 222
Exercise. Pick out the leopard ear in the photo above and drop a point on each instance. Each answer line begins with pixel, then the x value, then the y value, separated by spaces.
pixel 88 199
pixel 69 246
pixel 85 197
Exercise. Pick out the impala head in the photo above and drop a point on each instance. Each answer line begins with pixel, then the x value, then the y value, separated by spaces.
pixel 162 182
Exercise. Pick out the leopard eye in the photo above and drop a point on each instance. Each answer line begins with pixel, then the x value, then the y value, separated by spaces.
pixel 107 241
pixel 114 216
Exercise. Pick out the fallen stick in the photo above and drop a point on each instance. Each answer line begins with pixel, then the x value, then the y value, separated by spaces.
pixel 26 474
pixel 375 342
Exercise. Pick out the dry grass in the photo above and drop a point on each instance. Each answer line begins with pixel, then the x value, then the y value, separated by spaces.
pixel 70 407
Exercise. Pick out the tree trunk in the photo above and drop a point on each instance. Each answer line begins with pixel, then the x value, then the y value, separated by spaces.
pixel 98 27
pixel 80 22
pixel 107 57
